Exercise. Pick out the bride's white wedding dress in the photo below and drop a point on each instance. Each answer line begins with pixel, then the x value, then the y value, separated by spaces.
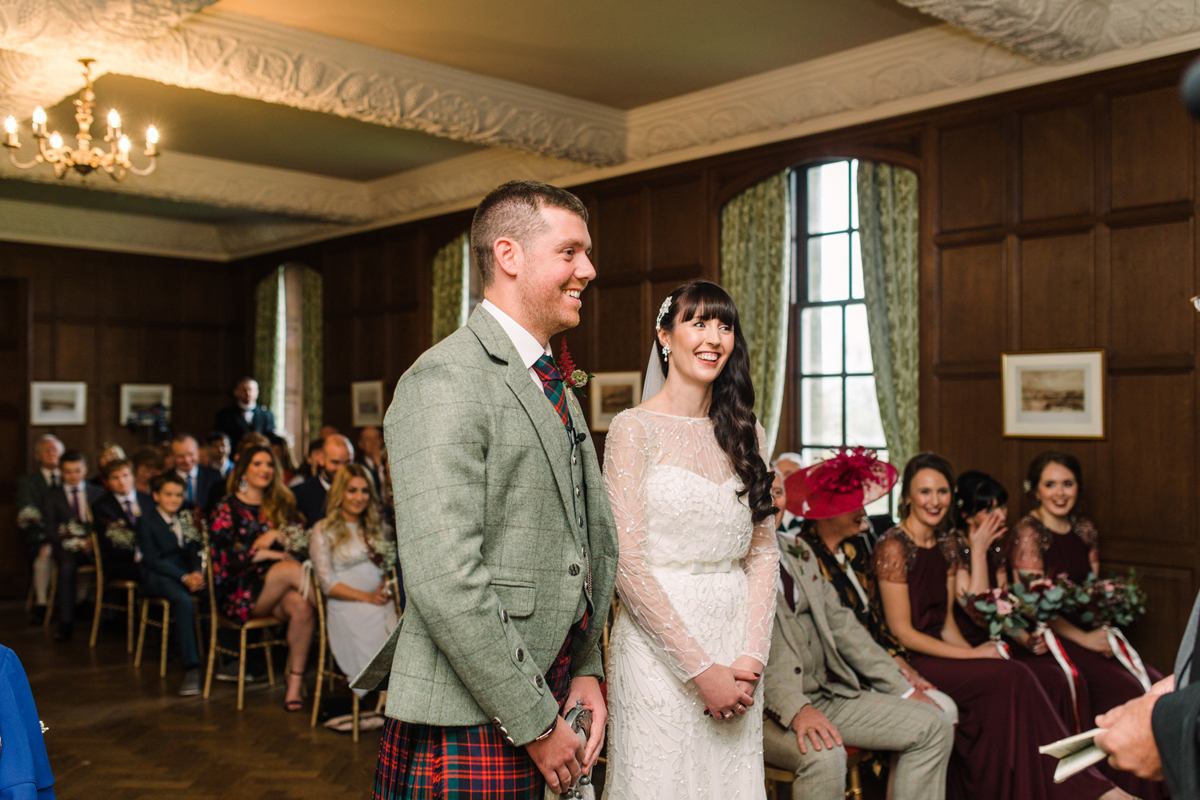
pixel 697 584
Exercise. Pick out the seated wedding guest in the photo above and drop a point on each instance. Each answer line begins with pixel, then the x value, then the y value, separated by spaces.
pixel 336 452
pixel 369 454
pixel 219 449
pixel 311 465
pixel 245 415
pixel 168 455
pixel 327 431
pixel 1003 713
pixel 1056 540
pixel 198 481
pixel 283 454
pixel 172 568
pixel 31 493
pixel 116 516
pixel 147 465
pixel 831 497
pixel 828 685
pixel 253 574
pixel 109 451
pixel 71 502
pixel 350 549
pixel 981 564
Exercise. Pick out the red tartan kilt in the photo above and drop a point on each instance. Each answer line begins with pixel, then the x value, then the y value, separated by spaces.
pixel 424 762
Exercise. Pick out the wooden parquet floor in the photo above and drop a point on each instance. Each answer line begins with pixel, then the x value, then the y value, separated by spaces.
pixel 120 733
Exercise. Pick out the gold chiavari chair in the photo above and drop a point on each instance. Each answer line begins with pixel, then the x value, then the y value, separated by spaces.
pixel 81 571
pixel 129 606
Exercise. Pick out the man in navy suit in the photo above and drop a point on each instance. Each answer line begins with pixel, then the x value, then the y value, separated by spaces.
pixel 310 495
pixel 198 481
pixel 171 569
pixel 71 502
pixel 121 506
pixel 246 415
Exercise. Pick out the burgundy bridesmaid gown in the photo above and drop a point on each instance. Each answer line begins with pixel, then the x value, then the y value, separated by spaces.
pixel 1109 684
pixel 1003 713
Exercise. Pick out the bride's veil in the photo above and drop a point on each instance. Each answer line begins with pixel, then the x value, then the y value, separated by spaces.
pixel 654 380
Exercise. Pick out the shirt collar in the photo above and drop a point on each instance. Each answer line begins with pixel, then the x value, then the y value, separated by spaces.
pixel 528 347
pixel 169 520
pixel 246 408
pixel 195 471
pixel 49 475
pixel 128 498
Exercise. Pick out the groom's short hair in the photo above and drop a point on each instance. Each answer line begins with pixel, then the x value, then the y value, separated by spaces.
pixel 514 211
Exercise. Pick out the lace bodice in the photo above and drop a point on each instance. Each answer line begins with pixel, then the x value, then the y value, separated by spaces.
pixel 330 562
pixel 674 498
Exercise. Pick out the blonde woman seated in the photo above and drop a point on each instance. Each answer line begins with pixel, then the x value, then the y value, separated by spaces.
pixel 352 550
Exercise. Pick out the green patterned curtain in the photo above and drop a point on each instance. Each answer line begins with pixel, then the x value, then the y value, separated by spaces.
pixel 756 269
pixel 312 339
pixel 888 229
pixel 451 287
pixel 267 340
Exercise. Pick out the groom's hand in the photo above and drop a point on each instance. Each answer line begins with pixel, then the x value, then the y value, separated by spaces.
pixel 558 757
pixel 587 689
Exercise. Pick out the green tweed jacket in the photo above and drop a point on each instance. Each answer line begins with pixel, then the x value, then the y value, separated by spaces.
pixel 850 654
pixel 503 529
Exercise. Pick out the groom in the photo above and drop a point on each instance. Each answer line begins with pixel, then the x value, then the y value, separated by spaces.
pixel 503 527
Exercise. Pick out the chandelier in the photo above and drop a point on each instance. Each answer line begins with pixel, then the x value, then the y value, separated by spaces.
pixel 83 159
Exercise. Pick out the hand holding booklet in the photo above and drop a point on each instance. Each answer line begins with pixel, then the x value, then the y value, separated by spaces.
pixel 1075 753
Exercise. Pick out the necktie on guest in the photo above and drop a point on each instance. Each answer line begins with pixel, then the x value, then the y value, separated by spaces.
pixel 191 495
pixel 130 517
pixel 552 385
pixel 77 504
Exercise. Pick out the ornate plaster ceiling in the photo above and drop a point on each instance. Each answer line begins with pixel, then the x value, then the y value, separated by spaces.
pixel 290 120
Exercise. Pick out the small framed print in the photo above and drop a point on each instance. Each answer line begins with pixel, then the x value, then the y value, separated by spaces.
pixel 57 403
pixel 145 404
pixel 1053 395
pixel 610 394
pixel 366 400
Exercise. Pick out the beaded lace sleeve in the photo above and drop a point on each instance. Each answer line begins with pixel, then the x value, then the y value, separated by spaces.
pixel 320 550
pixel 627 455
pixel 892 557
pixel 1086 530
pixel 1028 545
pixel 762 567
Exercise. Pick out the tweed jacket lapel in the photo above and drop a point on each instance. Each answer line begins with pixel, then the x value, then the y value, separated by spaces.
pixel 545 419
pixel 811 584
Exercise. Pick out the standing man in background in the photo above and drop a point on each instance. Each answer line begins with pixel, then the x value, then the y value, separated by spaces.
pixel 245 415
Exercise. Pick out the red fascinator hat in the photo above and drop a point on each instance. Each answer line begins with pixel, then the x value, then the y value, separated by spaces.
pixel 853 478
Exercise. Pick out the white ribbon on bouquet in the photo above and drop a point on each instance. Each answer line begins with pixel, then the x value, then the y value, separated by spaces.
pixel 1067 666
pixel 1128 657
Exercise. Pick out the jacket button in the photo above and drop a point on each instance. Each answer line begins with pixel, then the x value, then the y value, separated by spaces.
pixel 578 491
pixel 503 615
pixel 539 681
pixel 797 670
pixel 573 569
pixel 581 522
pixel 574 460
pixel 520 654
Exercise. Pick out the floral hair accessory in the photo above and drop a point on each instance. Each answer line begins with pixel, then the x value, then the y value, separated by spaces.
pixel 662 312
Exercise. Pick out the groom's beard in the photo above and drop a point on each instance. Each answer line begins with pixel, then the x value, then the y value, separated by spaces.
pixel 552 318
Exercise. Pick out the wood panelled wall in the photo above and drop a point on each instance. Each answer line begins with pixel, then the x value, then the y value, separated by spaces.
pixel 111 318
pixel 1066 219
pixel 1060 216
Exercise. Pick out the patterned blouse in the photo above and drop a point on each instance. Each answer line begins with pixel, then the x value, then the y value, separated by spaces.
pixel 858 560
pixel 237 578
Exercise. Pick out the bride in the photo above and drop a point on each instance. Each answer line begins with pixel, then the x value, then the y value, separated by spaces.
pixel 691 495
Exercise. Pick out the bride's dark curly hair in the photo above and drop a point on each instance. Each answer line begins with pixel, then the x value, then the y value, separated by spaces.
pixel 732 408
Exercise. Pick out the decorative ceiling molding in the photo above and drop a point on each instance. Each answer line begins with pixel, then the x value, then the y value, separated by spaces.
pixel 58 27
pixel 1066 30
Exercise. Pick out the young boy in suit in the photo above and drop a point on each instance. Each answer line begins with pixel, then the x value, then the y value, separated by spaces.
pixel 121 507
pixel 171 569
pixel 63 505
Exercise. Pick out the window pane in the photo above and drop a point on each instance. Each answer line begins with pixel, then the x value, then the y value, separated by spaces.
pixel 821 411
pixel 829 197
pixel 863 425
pixel 857 290
pixel 811 455
pixel 854 194
pixel 829 268
pixel 858 341
pixel 821 340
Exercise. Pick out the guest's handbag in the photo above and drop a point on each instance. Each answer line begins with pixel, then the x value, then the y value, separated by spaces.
pixel 580 721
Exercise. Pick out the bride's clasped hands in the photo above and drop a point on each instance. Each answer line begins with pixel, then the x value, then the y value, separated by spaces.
pixel 729 690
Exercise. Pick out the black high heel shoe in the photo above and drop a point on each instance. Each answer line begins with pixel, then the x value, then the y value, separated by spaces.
pixel 294 706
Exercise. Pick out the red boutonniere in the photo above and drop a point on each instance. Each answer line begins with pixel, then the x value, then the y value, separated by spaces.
pixel 573 377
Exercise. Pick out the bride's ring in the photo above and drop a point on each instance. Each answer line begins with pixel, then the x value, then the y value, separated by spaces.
pixel 741 709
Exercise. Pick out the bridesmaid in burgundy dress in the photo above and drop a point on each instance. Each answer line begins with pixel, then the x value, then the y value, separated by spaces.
pixel 1054 541
pixel 1003 713
pixel 982 556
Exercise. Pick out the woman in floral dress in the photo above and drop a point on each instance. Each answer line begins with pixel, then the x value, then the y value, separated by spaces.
pixel 254 575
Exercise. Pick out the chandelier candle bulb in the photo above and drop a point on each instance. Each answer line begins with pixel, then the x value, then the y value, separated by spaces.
pixel 152 141
pixel 39 121
pixel 10 132
pixel 123 145
pixel 56 141
pixel 114 125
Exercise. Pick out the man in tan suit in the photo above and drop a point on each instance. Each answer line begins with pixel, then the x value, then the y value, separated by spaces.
pixel 503 529
pixel 827 684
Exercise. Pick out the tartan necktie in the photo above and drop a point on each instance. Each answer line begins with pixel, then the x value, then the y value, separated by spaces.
pixel 552 385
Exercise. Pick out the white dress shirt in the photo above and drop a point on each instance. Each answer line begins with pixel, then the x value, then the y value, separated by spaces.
pixel 51 477
pixel 173 524
pixel 247 412
pixel 131 499
pixel 528 347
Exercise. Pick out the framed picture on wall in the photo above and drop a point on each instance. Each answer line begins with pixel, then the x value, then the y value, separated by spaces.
pixel 366 401
pixel 57 403
pixel 1053 395
pixel 145 404
pixel 610 394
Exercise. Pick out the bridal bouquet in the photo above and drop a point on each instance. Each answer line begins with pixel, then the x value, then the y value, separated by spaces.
pixel 74 536
pixel 29 516
pixel 997 611
pixel 1114 603
pixel 120 535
